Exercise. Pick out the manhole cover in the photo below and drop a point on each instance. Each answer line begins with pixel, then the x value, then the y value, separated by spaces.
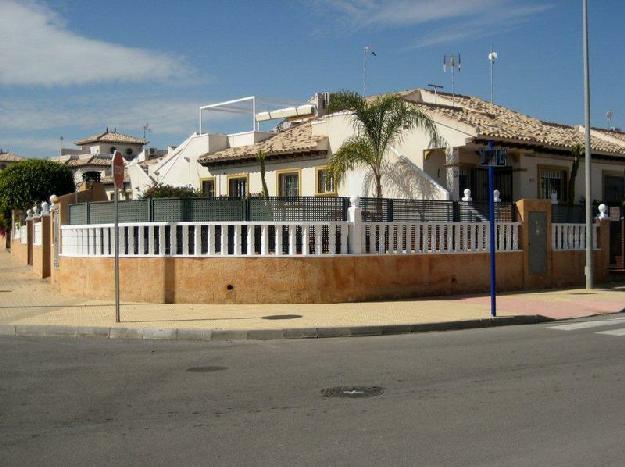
pixel 282 316
pixel 353 392
pixel 206 369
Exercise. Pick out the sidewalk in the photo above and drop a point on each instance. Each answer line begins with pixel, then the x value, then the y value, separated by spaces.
pixel 31 305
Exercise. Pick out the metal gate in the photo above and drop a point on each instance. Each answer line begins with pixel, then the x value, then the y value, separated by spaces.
pixel 537 242
pixel 55 238
pixel 479 183
pixel 617 242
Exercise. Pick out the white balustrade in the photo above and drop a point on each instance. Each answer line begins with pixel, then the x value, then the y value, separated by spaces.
pixel 37 233
pixel 208 239
pixel 571 236
pixel 297 238
pixel 23 235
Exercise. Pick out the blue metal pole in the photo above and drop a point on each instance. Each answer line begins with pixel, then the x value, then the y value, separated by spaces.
pixel 493 240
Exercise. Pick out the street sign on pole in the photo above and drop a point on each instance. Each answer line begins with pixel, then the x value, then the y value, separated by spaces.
pixel 492 158
pixel 117 168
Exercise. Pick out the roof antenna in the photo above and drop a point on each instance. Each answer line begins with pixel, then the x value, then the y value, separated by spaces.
pixel 368 50
pixel 435 88
pixel 610 115
pixel 492 58
pixel 453 62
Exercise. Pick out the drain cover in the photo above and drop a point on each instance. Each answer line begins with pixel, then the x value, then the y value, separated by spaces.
pixel 282 316
pixel 353 392
pixel 206 369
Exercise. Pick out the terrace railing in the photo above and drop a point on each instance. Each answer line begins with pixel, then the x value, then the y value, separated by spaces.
pixel 571 236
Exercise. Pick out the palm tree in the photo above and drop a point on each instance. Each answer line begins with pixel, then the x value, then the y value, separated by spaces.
pixel 576 151
pixel 379 122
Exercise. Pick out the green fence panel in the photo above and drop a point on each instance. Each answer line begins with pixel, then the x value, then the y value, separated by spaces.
pixel 198 209
pixel 78 214
pixel 129 211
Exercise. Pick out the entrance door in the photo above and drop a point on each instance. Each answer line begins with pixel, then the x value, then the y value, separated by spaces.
pixel 479 184
pixel 537 242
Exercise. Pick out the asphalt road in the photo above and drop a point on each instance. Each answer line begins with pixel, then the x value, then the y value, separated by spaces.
pixel 521 395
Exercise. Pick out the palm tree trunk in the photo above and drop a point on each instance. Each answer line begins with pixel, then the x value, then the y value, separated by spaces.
pixel 378 185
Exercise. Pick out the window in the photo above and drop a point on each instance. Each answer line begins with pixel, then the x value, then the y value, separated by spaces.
pixel 325 182
pixel 464 179
pixel 288 184
pixel 113 149
pixel 613 189
pixel 129 152
pixel 237 187
pixel 552 179
pixel 208 187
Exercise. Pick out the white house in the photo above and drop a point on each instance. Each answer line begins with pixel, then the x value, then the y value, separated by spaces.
pixel 297 152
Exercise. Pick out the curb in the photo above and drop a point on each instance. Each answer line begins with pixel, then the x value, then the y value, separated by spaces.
pixel 221 335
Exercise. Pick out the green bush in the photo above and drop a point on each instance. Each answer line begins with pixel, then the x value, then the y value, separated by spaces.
pixel 160 190
pixel 32 181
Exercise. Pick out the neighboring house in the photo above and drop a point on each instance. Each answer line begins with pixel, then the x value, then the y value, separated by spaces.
pixel 93 160
pixel 7 159
pixel 297 153
pixel 108 142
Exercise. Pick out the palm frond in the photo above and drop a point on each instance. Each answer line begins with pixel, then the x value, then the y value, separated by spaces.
pixel 356 151
pixel 345 100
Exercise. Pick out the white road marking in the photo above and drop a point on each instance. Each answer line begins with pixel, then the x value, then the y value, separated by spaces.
pixel 588 324
pixel 613 332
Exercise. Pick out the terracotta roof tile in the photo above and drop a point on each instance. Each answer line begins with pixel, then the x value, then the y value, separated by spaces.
pixel 500 123
pixel 111 137
pixel 90 161
pixel 10 157
pixel 295 140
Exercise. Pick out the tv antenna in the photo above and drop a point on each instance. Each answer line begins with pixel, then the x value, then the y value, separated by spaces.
pixel 366 51
pixel 435 88
pixel 453 63
pixel 610 115
pixel 146 129
pixel 492 58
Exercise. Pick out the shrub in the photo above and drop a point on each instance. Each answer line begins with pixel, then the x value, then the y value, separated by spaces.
pixel 160 190
pixel 32 181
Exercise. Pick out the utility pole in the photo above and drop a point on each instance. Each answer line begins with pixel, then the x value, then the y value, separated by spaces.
pixel 587 161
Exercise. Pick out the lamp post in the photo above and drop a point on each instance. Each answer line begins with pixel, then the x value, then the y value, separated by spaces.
pixel 492 58
pixel 587 160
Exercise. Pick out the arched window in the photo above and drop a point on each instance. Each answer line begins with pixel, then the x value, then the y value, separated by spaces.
pixel 129 152
pixel 113 149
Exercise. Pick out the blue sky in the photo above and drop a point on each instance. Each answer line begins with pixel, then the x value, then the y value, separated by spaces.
pixel 71 67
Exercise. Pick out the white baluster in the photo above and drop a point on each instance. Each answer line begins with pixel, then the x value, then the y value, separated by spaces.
pixel 515 237
pixel 122 240
pixel 382 238
pixel 279 240
pixel 305 240
pixel 151 240
pixel 185 239
pixel 105 235
pixel 250 240
pixel 373 230
pixel 237 239
pixel 131 240
pixel 224 239
pixel 264 240
pixel 332 239
pixel 141 239
pixel 161 240
pixel 318 239
pixel 292 240
pixel 210 240
pixel 344 232
pixel 197 240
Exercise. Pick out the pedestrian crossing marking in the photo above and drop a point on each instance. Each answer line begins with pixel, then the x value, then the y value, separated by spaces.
pixel 590 324
pixel 613 332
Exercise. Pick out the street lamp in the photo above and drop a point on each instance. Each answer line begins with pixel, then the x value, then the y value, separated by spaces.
pixel 587 161
pixel 492 58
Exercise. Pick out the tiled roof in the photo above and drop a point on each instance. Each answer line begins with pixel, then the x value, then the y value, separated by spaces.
pixel 500 123
pixel 614 134
pixel 10 157
pixel 90 161
pixel 110 137
pixel 295 140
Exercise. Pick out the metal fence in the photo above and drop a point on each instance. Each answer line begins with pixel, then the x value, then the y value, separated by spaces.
pixel 287 209
pixel 568 214
pixel 419 210
pixel 273 209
